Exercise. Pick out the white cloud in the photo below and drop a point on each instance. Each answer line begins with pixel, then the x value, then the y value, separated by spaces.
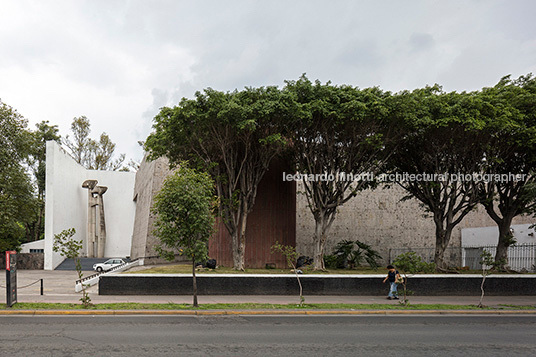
pixel 118 62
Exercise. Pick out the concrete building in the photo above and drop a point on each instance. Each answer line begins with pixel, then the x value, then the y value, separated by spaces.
pixel 149 180
pixel 37 246
pixel 376 217
pixel 379 218
pixel 67 207
pixel 273 219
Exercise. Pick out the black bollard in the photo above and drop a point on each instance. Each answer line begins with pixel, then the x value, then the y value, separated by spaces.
pixel 41 286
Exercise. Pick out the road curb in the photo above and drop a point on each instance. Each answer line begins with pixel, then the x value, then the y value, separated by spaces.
pixel 263 312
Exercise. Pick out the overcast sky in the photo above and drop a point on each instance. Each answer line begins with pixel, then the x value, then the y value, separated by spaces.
pixel 118 62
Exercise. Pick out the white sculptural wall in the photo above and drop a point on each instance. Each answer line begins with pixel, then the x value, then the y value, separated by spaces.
pixel 66 204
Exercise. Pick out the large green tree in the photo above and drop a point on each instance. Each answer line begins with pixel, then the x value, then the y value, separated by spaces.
pixel 184 219
pixel 511 151
pixel 37 163
pixel 340 136
pixel 233 136
pixel 17 201
pixel 444 138
pixel 90 153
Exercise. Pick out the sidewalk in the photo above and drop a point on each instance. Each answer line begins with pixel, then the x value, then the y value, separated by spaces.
pixel 59 288
pixel 491 301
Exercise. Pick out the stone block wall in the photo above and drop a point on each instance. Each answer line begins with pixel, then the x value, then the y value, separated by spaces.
pixel 376 217
pixel 26 261
pixel 379 218
pixel 149 180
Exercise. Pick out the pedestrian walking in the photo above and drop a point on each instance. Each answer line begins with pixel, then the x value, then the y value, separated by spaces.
pixel 393 276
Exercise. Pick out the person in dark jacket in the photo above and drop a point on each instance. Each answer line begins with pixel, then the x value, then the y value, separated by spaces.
pixel 393 276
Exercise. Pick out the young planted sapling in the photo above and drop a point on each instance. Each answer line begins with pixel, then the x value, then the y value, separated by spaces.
pixel 70 249
pixel 291 255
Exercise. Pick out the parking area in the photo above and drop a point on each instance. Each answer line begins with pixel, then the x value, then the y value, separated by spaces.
pixel 57 284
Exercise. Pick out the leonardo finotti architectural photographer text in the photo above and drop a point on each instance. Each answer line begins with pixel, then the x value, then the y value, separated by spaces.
pixel 405 177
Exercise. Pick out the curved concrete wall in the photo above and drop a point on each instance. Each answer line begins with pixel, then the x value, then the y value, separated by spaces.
pixel 66 204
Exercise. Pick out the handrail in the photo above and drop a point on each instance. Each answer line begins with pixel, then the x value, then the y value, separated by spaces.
pixel 79 281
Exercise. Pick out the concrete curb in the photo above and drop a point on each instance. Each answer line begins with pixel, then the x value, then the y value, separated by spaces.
pixel 264 312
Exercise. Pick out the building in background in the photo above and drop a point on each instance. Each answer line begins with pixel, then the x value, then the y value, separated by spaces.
pixel 67 207
pixel 272 220
pixel 376 217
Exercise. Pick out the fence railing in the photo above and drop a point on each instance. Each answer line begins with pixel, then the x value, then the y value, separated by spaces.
pixel 520 257
pixel 94 278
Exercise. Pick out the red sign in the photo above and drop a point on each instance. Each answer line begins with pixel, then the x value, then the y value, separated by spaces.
pixel 11 278
pixel 8 259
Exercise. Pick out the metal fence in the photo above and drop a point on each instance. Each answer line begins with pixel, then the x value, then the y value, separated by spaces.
pixel 520 257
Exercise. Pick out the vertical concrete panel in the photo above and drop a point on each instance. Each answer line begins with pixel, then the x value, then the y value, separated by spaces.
pixel 149 180
pixel 66 200
pixel 66 204
pixel 119 209
pixel 143 196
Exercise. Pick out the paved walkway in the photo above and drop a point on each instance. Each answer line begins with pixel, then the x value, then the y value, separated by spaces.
pixel 59 287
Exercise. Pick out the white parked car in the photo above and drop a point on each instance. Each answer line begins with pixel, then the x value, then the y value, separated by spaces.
pixel 107 265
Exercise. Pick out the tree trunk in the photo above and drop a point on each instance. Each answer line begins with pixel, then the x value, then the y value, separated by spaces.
pixel 239 245
pixel 194 281
pixel 482 288
pixel 235 247
pixel 242 245
pixel 439 255
pixel 505 240
pixel 238 241
pixel 442 240
pixel 301 288
pixel 319 241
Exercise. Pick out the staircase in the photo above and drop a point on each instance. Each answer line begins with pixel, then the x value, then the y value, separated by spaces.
pixel 87 263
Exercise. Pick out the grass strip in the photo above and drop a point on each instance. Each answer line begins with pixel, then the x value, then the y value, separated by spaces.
pixel 187 269
pixel 517 307
pixel 256 306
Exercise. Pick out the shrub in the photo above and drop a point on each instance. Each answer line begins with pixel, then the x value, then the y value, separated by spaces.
pixel 330 261
pixel 350 254
pixel 411 263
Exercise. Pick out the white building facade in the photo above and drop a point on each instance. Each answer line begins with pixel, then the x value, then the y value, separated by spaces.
pixel 67 204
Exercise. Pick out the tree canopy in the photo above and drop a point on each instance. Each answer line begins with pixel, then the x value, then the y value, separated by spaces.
pixel 338 134
pixel 233 136
pixel 37 162
pixel 511 150
pixel 90 153
pixel 443 138
pixel 17 201
pixel 437 141
pixel 184 219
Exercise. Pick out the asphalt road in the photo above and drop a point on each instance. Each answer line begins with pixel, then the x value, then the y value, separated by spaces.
pixel 268 335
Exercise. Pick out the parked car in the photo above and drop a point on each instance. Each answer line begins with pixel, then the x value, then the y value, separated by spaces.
pixel 107 265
